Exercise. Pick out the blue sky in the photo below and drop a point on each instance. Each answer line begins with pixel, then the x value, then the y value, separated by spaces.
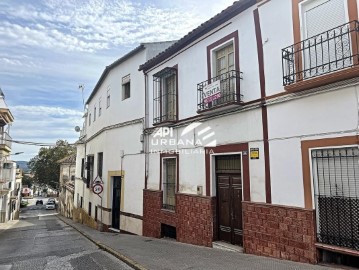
pixel 49 47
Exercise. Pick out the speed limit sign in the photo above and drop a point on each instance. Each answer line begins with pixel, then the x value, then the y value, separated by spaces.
pixel 97 189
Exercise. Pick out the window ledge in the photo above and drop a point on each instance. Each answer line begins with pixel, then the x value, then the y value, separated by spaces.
pixel 168 210
pixel 164 123
pixel 342 250
pixel 341 75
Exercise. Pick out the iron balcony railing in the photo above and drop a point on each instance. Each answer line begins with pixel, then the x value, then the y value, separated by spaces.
pixel 5 139
pixel 219 91
pixel 324 53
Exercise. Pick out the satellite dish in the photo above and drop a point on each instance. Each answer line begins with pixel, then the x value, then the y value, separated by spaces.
pixel 77 129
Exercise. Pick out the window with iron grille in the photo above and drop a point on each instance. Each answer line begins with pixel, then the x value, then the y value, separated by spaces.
pixel 169 179
pixel 99 164
pixel 165 96
pixel 90 165
pixel 336 190
pixel 223 88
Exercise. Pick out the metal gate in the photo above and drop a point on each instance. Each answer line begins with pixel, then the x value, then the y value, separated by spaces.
pixel 336 191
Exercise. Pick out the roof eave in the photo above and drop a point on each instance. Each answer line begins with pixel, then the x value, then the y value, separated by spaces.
pixel 110 67
pixel 203 29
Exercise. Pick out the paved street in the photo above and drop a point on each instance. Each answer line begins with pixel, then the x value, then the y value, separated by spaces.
pixel 163 254
pixel 39 240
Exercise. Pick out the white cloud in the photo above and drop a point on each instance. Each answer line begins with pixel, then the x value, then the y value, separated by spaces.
pixel 41 122
pixel 48 47
pixel 91 25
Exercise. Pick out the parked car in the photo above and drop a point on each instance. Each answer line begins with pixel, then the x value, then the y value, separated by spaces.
pixel 50 206
pixel 39 202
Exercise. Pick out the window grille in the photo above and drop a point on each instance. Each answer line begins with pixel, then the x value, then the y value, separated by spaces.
pixel 165 96
pixel 90 164
pixel 336 191
pixel 169 183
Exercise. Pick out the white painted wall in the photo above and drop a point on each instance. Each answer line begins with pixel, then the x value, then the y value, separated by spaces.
pixel 192 65
pixel 231 129
pixel 277 33
pixel 315 117
pixel 121 145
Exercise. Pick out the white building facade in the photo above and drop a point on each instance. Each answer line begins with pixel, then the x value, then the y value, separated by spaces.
pixel 252 131
pixel 110 152
pixel 9 195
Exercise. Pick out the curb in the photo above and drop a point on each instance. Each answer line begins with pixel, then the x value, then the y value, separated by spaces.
pixel 108 249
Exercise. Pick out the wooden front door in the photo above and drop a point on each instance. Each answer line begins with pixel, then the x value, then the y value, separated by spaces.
pixel 229 199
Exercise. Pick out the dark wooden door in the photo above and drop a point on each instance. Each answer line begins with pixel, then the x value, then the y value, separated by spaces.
pixel 116 202
pixel 229 196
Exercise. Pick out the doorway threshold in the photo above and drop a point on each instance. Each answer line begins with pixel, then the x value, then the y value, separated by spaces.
pixel 114 230
pixel 226 246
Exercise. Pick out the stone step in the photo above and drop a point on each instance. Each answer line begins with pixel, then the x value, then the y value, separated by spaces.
pixel 114 230
pixel 226 246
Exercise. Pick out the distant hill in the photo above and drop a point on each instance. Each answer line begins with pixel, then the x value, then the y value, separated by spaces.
pixel 23 165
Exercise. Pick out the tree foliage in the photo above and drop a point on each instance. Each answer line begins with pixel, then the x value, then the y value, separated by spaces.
pixel 27 181
pixel 45 167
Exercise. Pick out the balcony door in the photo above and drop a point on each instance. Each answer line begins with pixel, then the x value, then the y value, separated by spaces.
pixel 224 63
pixel 326 42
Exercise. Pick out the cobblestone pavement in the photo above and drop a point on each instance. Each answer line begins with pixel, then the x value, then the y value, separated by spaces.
pixel 163 254
pixel 39 240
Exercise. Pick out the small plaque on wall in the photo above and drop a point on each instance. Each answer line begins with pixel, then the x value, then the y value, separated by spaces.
pixel 254 153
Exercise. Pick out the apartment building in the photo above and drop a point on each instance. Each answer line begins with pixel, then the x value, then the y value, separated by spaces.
pixel 251 132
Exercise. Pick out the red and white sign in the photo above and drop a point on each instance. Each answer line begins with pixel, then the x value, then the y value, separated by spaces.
pixel 212 92
pixel 97 189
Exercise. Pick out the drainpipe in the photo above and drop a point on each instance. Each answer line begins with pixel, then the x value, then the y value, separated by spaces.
pixel 146 138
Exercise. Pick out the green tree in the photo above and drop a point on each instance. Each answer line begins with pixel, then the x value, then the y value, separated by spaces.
pixel 27 180
pixel 45 167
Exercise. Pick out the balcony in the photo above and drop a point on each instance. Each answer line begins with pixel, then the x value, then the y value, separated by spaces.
pixel 4 189
pixel 325 58
pixel 5 141
pixel 220 92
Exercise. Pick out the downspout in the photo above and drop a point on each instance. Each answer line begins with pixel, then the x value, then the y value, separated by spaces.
pixel 146 139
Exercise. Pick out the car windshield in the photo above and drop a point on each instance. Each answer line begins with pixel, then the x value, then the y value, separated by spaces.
pixel 50 203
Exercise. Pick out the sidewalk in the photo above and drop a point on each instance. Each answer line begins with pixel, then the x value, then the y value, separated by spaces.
pixel 7 225
pixel 150 253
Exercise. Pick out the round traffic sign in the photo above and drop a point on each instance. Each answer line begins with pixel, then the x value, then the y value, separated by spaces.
pixel 97 189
